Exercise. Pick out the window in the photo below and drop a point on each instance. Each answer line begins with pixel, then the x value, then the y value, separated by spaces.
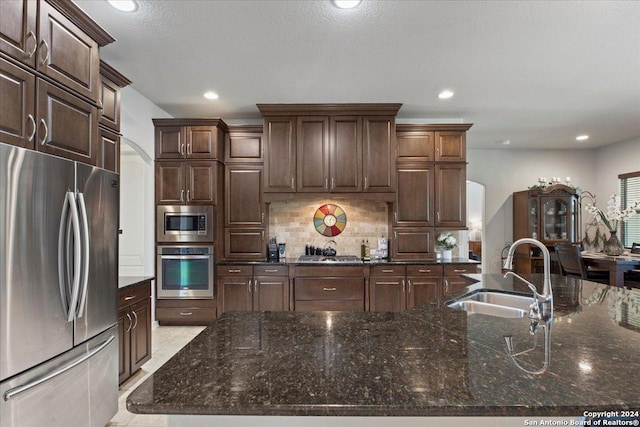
pixel 630 192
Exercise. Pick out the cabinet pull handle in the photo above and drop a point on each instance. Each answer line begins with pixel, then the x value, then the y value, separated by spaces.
pixel 388 283
pixel 130 323
pixel 136 319
pixel 234 270
pixel 333 183
pixel 46 51
pixel 262 218
pixel 424 271
pixel 249 285
pixel 365 183
pixel 271 271
pixel 188 196
pixel 182 149
pixel 33 124
pixel 438 216
pixel 409 287
pixel 293 183
pixel 31 35
pixel 329 289
pixel 46 132
pixel 395 235
pixel 181 196
pixel 186 313
pixel 446 286
pixel 255 286
pixel 263 235
pixel 403 286
pixel 438 151
pixel 387 271
pixel 130 297
pixel 100 105
pixel 190 149
pixel 395 217
pixel 326 183
pixel 460 271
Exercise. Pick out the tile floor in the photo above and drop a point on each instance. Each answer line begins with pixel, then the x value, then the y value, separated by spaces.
pixel 166 341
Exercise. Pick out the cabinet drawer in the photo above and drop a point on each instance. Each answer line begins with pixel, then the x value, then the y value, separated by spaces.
pixel 329 289
pixel 133 294
pixel 271 270
pixel 456 270
pixel 388 270
pixel 186 314
pixel 235 270
pixel 349 305
pixel 424 270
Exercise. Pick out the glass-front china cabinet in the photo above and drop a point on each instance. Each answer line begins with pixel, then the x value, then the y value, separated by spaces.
pixel 549 214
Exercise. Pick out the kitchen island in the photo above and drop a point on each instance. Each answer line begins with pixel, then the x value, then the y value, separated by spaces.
pixel 427 361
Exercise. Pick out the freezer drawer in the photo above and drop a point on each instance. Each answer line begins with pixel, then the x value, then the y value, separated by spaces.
pixel 78 388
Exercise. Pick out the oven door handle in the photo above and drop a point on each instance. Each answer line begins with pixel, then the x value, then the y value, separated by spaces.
pixel 185 256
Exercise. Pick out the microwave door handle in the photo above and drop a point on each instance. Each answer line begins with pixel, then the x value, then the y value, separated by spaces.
pixel 62 255
pixel 85 254
pixel 77 257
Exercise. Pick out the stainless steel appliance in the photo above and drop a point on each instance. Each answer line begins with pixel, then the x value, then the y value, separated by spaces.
pixel 58 291
pixel 185 272
pixel 184 223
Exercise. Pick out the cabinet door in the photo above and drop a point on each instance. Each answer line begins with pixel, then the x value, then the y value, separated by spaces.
pixel 67 54
pixel 422 289
pixel 140 334
pixel 416 145
pixel 412 243
pixel 346 153
pixel 379 154
pixel 202 142
pixel 110 98
pixel 17 103
pixel 451 195
pixel 109 150
pixel 271 293
pixel 313 154
pixel 125 322
pixel 243 195
pixel 387 293
pixel 414 197
pixel 200 183
pixel 67 125
pixel 244 144
pixel 451 146
pixel 170 142
pixel 244 243
pixel 234 294
pixel 18 30
pixel 170 179
pixel 280 158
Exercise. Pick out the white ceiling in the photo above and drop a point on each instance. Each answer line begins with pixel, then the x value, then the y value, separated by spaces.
pixel 536 73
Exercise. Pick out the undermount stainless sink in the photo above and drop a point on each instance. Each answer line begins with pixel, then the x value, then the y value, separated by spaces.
pixel 493 303
pixel 328 259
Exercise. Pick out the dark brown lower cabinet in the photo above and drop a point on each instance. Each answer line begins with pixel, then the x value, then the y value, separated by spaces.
pixel 134 328
pixel 453 279
pixel 330 288
pixel 257 288
pixel 424 284
pixel 185 311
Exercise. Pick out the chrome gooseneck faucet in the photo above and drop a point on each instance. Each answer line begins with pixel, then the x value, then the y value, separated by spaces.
pixel 547 295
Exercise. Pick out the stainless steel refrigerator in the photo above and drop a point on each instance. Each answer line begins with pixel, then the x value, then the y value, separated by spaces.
pixel 58 291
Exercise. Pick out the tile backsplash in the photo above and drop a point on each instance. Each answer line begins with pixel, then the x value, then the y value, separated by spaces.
pixel 292 223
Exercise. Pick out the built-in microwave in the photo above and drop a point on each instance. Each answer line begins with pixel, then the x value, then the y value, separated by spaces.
pixel 188 224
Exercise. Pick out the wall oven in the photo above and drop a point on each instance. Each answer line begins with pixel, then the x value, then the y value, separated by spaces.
pixel 179 223
pixel 185 272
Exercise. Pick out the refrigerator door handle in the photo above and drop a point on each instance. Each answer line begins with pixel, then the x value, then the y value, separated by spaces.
pixel 77 256
pixel 11 393
pixel 85 255
pixel 62 250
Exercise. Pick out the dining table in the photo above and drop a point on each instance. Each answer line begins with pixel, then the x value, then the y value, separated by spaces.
pixel 617 265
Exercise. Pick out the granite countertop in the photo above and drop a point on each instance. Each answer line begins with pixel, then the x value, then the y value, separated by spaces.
pixel 126 281
pixel 427 361
pixel 294 261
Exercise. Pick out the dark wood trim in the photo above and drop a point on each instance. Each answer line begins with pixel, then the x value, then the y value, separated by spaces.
pixel 629 175
pixel 112 74
pixel 245 128
pixel 281 197
pixel 213 121
pixel 71 11
pixel 414 127
pixel 327 109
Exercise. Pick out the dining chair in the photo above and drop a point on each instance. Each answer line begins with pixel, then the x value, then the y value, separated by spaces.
pixel 571 264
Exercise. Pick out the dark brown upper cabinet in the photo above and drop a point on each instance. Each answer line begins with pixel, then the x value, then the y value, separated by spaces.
pixel 189 138
pixel 244 144
pixel 280 154
pixel 451 146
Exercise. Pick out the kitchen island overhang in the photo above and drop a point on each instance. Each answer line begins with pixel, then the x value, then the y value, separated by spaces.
pixel 428 361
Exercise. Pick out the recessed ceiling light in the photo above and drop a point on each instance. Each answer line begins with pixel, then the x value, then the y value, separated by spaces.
pixel 211 95
pixel 346 4
pixel 582 137
pixel 445 94
pixel 124 5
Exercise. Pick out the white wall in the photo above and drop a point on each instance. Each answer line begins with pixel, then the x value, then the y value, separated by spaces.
pixel 138 132
pixel 506 171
